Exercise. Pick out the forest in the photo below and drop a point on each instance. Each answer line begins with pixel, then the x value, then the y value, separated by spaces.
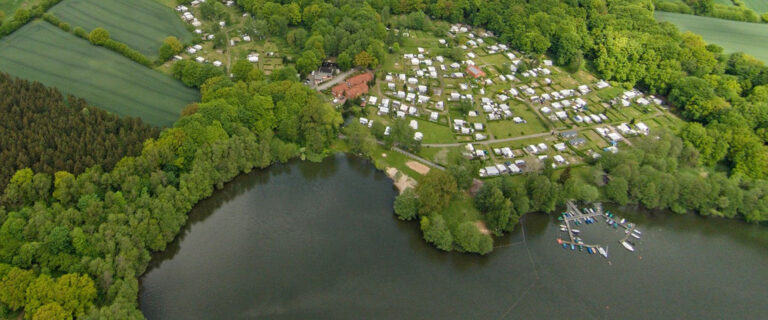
pixel 42 130
pixel 91 234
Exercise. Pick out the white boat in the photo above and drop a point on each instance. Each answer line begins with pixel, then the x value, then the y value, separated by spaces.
pixel 603 252
pixel 562 226
pixel 636 236
pixel 623 220
pixel 636 231
pixel 575 230
pixel 628 246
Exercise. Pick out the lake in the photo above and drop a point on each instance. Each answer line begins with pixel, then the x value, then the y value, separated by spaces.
pixel 319 241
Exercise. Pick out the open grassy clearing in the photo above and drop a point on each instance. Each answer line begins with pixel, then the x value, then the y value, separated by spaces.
pixel 10 6
pixel 733 36
pixel 141 24
pixel 44 53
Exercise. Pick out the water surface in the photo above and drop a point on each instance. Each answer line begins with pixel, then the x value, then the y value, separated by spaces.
pixel 319 241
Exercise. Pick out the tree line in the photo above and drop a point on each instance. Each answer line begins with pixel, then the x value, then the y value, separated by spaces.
pixel 41 130
pixel 9 24
pixel 660 172
pixel 101 225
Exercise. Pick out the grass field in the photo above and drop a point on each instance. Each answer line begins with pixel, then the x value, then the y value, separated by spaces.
pixel 733 36
pixel 760 6
pixel 10 6
pixel 141 24
pixel 44 53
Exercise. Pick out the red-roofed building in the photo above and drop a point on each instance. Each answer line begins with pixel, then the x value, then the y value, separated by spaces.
pixel 361 78
pixel 356 91
pixel 353 87
pixel 339 89
pixel 475 72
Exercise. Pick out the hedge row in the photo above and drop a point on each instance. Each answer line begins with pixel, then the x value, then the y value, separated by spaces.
pixel 22 16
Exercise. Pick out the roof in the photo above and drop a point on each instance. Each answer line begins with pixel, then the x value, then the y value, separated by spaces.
pixel 356 91
pixel 475 72
pixel 339 89
pixel 361 78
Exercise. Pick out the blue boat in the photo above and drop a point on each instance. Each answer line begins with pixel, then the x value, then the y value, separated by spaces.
pixel 565 246
pixel 573 247
pixel 590 250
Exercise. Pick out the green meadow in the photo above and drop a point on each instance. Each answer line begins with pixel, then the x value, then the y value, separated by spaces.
pixel 141 24
pixel 733 36
pixel 44 53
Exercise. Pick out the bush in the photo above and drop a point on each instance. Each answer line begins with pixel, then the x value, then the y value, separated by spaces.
pixel 64 26
pixel 436 232
pixel 171 46
pixel 80 32
pixel 51 19
pixel 126 51
pixel 98 36
pixel 677 7
pixel 472 240
pixel 406 205
pixel 764 17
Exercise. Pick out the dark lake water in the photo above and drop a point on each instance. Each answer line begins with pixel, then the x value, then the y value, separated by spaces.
pixel 319 241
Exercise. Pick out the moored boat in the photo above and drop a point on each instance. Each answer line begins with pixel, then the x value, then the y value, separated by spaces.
pixel 603 251
pixel 635 235
pixel 628 246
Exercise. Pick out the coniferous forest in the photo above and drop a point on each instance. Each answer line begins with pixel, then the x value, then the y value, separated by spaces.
pixel 42 130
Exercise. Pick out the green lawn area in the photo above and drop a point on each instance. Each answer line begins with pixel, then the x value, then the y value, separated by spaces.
pixel 733 36
pixel 10 6
pixel 435 133
pixel 44 53
pixel 141 24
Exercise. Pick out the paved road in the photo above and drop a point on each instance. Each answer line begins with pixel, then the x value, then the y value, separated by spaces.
pixel 337 79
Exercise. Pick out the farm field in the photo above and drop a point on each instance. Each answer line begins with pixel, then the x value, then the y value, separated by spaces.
pixel 141 24
pixel 733 36
pixel 760 6
pixel 10 6
pixel 44 53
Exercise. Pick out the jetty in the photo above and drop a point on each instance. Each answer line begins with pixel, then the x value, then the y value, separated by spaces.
pixel 575 216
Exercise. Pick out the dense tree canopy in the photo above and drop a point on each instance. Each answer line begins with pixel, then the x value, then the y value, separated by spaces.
pixel 79 242
pixel 41 130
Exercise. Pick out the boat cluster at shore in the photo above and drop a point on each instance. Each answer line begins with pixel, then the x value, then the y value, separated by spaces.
pixel 588 216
